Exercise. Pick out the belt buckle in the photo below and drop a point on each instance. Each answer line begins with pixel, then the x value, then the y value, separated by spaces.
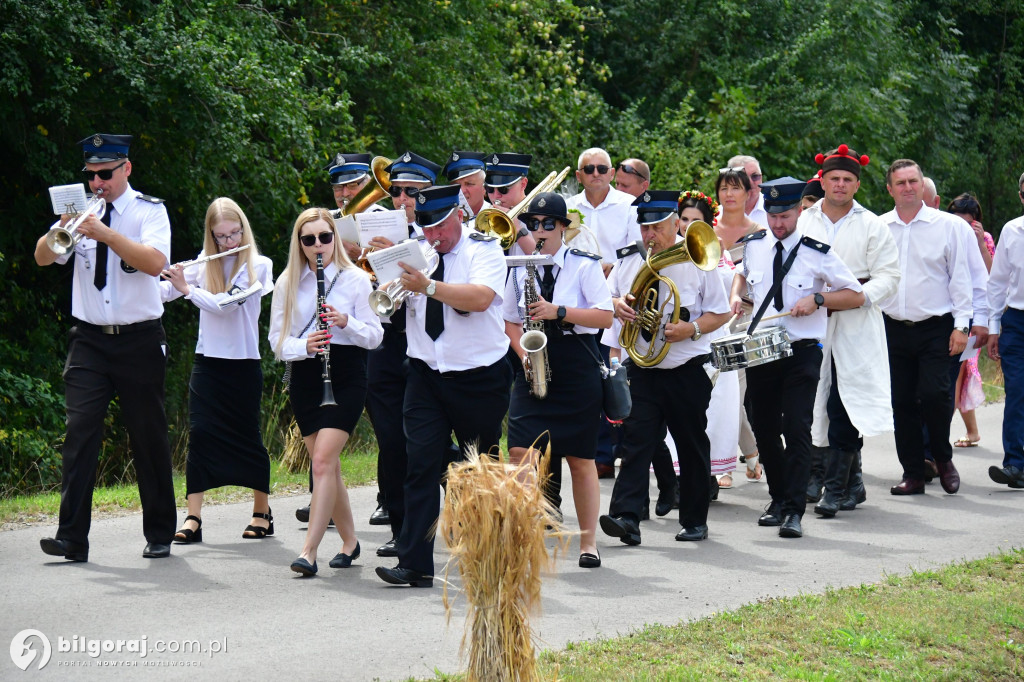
pixel 109 329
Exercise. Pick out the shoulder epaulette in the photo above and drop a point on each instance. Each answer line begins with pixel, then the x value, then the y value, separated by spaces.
pixel 760 234
pixel 815 244
pixel 481 237
pixel 152 200
pixel 585 254
pixel 627 251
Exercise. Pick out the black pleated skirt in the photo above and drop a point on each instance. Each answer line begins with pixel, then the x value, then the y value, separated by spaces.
pixel 348 379
pixel 573 404
pixel 225 446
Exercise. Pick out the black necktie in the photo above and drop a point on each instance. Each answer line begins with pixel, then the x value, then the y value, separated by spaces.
pixel 99 276
pixel 547 283
pixel 777 276
pixel 643 332
pixel 435 311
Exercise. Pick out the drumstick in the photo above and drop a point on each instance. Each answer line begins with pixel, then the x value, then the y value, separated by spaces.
pixel 771 317
pixel 731 320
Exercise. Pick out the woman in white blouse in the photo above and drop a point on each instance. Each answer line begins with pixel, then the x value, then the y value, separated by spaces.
pixel 351 330
pixel 225 446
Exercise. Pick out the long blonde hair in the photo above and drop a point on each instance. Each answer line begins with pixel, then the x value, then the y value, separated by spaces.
pixel 224 208
pixel 287 284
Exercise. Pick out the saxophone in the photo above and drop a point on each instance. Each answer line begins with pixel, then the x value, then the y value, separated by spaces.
pixel 534 340
pixel 321 325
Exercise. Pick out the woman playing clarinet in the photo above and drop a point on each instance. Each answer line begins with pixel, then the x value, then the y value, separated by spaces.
pixel 321 323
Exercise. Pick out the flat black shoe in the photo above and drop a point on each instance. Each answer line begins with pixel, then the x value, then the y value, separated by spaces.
pixel 342 560
pixel 55 547
pixel 404 576
pixel 772 515
pixel 588 560
pixel 622 528
pixel 302 514
pixel 388 549
pixel 791 528
pixel 186 535
pixel 693 534
pixel 1010 475
pixel 155 550
pixel 667 503
pixel 380 517
pixel 303 567
pixel 259 532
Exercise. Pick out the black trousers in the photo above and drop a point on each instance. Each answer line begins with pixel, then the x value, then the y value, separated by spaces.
pixel 131 366
pixel 666 399
pixel 472 405
pixel 842 434
pixel 919 369
pixel 782 406
pixel 385 397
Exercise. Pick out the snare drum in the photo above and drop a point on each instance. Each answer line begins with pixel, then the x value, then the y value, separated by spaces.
pixel 739 351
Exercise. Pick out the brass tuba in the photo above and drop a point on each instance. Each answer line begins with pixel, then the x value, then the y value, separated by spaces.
pixel 501 224
pixel 370 194
pixel 701 247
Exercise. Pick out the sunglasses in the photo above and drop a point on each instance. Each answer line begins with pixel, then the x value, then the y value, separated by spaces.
pixel 491 189
pixel 632 171
pixel 534 224
pixel 734 169
pixel 411 192
pixel 600 168
pixel 310 239
pixel 228 238
pixel 104 174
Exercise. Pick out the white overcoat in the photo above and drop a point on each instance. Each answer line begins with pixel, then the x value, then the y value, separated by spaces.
pixel 856 337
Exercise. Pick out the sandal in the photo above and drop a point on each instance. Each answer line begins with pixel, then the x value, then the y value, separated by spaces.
pixel 725 481
pixel 754 468
pixel 185 536
pixel 259 532
pixel 966 442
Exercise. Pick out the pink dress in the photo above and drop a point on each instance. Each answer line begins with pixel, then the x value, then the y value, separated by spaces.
pixel 972 392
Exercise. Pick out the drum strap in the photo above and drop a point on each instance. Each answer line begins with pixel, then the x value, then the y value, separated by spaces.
pixel 776 290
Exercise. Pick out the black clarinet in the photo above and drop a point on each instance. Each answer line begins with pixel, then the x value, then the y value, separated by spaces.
pixel 321 325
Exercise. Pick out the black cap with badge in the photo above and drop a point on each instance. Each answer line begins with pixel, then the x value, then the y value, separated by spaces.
pixel 434 204
pixel 345 168
pixel 656 205
pixel 101 147
pixel 412 167
pixel 463 163
pixel 782 194
pixel 504 168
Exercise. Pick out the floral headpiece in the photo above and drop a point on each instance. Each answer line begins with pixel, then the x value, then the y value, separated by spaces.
pixel 700 196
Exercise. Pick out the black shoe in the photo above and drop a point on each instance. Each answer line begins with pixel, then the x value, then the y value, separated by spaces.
pixel 693 534
pixel 1008 475
pixel 342 560
pixel 828 506
pixel 645 515
pixel 404 576
pixel 790 528
pixel 303 567
pixel 55 547
pixel 302 514
pixel 626 530
pixel 259 532
pixel 772 515
pixel 713 489
pixel 389 548
pixel 667 502
pixel 155 550
pixel 186 535
pixel 380 517
pixel 588 560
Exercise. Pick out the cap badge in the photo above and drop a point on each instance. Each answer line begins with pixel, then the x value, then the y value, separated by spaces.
pixel 339 160
pixel 647 197
pixel 542 202
pixel 775 192
pixel 97 141
pixel 495 160
pixel 407 158
pixel 422 199
pixel 455 157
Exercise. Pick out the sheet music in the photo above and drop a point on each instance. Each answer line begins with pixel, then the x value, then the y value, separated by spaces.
pixel 241 295
pixel 347 228
pixel 68 198
pixel 392 225
pixel 970 351
pixel 385 261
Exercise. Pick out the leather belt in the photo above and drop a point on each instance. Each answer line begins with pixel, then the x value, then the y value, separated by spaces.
pixel 804 343
pixel 119 328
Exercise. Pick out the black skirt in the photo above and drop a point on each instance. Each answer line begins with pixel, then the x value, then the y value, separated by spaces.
pixel 225 446
pixel 573 404
pixel 348 380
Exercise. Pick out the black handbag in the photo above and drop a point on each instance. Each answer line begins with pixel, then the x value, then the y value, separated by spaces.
pixel 617 402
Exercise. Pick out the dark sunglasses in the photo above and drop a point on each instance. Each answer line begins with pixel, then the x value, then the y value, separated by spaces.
pixel 104 174
pixel 410 192
pixel 600 168
pixel 632 171
pixel 310 239
pixel 534 224
pixel 491 189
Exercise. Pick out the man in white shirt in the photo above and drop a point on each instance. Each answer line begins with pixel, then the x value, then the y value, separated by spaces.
pixel 1006 343
pixel 607 211
pixel 926 323
pixel 632 176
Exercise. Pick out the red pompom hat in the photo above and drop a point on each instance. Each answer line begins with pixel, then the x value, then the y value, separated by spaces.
pixel 842 158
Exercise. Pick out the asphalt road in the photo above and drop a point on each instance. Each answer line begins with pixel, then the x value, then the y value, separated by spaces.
pixel 256 619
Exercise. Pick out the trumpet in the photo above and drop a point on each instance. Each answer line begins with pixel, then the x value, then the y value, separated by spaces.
pixel 386 300
pixel 63 239
pixel 497 222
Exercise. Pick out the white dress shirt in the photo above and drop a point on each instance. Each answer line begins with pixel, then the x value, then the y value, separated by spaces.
pixel 758 214
pixel 613 220
pixel 474 339
pixel 579 283
pixel 978 270
pixel 129 296
pixel 1005 288
pixel 231 332
pixel 350 295
pixel 934 275
pixel 812 272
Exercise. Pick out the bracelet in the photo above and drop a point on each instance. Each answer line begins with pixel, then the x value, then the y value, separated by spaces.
pixel 696 332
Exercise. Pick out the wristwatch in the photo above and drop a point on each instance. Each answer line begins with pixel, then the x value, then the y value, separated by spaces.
pixel 819 300
pixel 696 332
pixel 561 314
pixel 431 288
pixel 966 331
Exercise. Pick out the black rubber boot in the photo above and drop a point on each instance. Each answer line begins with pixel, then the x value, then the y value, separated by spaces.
pixel 837 473
pixel 817 479
pixel 856 493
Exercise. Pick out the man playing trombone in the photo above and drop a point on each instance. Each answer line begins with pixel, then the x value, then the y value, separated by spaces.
pixel 117 347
